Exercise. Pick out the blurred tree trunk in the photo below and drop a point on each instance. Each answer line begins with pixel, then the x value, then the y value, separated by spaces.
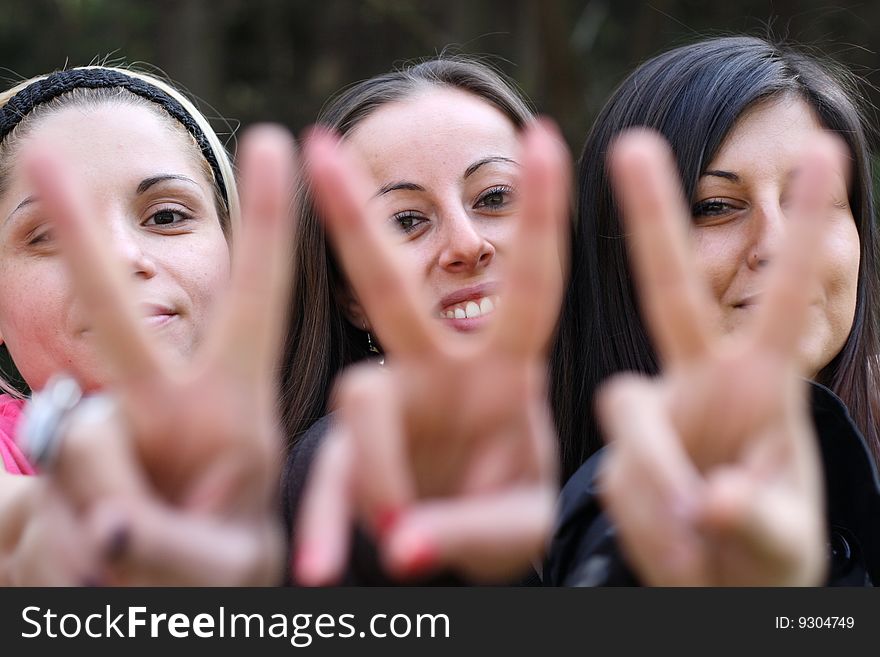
pixel 645 29
pixel 187 43
pixel 557 70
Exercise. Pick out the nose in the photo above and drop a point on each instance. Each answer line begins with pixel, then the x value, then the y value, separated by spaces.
pixel 768 235
pixel 464 248
pixel 130 247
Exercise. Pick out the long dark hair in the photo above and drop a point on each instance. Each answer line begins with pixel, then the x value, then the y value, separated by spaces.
pixel 320 340
pixel 694 96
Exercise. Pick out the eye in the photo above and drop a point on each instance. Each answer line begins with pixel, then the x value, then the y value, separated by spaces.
pixel 408 221
pixel 40 237
pixel 713 208
pixel 495 199
pixel 167 217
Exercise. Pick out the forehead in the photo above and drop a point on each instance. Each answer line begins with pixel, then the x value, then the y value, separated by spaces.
pixel 115 139
pixel 436 130
pixel 769 137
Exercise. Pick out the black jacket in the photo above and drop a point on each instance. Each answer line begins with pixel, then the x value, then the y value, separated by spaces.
pixel 584 550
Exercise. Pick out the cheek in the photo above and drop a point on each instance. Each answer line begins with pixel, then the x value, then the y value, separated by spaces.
pixel 718 256
pixel 419 256
pixel 205 273
pixel 840 270
pixel 210 269
pixel 29 294
pixel 500 232
pixel 34 312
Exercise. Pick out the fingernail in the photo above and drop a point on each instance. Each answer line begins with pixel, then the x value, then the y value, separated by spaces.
pixel 307 568
pixel 421 559
pixel 117 544
pixel 386 520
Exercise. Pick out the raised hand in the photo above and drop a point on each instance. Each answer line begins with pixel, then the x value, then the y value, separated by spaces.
pixel 447 455
pixel 712 475
pixel 188 460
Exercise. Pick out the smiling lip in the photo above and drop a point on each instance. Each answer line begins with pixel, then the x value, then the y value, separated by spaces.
pixel 748 301
pixel 467 294
pixel 755 299
pixel 159 320
pixel 156 315
pixel 460 300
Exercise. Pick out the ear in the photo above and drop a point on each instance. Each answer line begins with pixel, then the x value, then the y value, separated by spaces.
pixel 352 308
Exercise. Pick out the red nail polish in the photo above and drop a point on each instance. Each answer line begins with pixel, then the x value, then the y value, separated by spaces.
pixel 386 519
pixel 422 559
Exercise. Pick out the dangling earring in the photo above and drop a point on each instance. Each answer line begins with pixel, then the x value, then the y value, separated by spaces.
pixel 372 347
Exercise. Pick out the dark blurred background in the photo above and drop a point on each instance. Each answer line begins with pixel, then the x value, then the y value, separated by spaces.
pixel 248 60
pixel 276 59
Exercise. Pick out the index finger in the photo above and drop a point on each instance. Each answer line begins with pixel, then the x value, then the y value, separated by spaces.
pixel 369 406
pixel 793 283
pixel 674 302
pixel 375 271
pixel 534 279
pixel 98 277
pixel 253 318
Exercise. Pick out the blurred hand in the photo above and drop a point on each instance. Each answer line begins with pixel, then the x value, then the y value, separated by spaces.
pixel 176 483
pixel 712 475
pixel 447 455
pixel 41 541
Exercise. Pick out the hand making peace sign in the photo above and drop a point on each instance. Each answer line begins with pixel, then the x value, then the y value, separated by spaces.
pixel 713 475
pixel 448 454
pixel 177 482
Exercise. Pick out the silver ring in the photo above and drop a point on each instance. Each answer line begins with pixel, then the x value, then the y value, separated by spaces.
pixel 43 418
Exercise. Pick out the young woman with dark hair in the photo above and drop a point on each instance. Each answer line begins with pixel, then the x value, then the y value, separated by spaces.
pixel 446 456
pixel 735 112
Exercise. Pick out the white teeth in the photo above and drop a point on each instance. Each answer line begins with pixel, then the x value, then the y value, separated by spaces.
pixel 472 309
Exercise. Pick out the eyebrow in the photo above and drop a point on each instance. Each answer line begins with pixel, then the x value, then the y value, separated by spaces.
pixel 727 175
pixel 472 169
pixel 146 183
pixel 27 201
pixel 397 186
pixel 413 187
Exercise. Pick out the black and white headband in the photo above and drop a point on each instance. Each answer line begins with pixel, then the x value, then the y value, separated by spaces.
pixel 61 82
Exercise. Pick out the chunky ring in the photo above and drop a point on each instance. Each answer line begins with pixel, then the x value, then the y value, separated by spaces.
pixel 43 418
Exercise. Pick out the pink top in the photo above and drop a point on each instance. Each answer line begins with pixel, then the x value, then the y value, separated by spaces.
pixel 14 461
